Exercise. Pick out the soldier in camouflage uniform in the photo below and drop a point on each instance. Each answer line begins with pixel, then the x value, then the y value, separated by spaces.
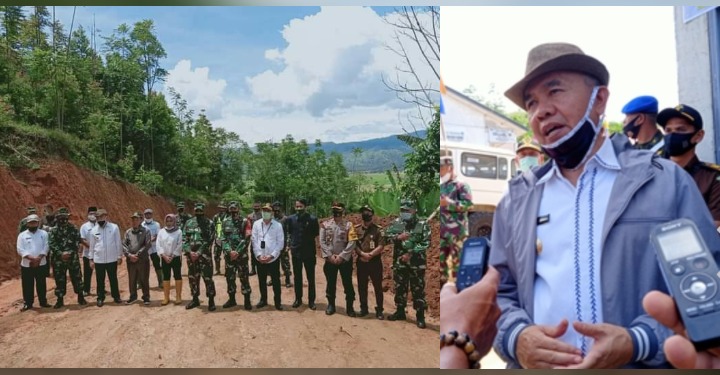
pixel 64 243
pixel 455 201
pixel 197 235
pixel 411 238
pixel 236 237
pixel 217 221
pixel 182 216
pixel 285 254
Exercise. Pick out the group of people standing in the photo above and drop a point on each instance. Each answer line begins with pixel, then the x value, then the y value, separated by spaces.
pixel 257 244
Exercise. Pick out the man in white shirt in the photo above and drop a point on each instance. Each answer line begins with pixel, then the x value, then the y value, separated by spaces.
pixel 268 240
pixel 84 233
pixel 33 247
pixel 105 255
pixel 153 227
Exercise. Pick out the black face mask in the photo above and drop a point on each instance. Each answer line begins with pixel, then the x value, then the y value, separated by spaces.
pixel 572 149
pixel 101 223
pixel 337 213
pixel 33 229
pixel 62 220
pixel 632 128
pixel 677 144
pixel 367 217
pixel 199 215
pixel 300 211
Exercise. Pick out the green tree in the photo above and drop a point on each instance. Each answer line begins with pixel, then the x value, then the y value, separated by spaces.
pixel 422 166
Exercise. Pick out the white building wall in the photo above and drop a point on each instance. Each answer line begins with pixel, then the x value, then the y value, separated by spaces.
pixel 695 89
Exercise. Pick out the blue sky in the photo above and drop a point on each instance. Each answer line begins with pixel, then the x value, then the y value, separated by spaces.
pixel 267 71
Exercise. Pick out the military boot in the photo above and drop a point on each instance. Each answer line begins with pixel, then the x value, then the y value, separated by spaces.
pixel 195 303
pixel 420 314
pixel 248 304
pixel 59 303
pixel 230 303
pixel 398 315
pixel 211 304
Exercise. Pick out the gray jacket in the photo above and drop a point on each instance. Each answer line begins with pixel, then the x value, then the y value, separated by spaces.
pixel 648 191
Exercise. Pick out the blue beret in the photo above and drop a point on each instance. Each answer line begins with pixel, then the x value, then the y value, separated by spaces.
pixel 641 104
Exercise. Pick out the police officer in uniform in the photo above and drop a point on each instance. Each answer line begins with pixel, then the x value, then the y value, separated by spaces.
pixel 640 124
pixel 684 130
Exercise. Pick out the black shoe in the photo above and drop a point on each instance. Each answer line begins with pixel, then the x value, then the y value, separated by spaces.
pixel 81 300
pixel 363 312
pixel 397 315
pixel 26 308
pixel 146 302
pixel 131 300
pixel 261 304
pixel 118 300
pixel 100 303
pixel 330 309
pixel 59 303
pixel 211 304
pixel 45 304
pixel 230 303
pixel 252 272
pixel 288 284
pixel 312 306
pixel 379 313
pixel 420 315
pixel 247 304
pixel 350 311
pixel 278 307
pixel 195 303
pixel 296 304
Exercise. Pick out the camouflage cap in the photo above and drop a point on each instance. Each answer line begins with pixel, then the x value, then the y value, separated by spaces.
pixel 222 205
pixel 31 209
pixel 276 204
pixel 62 211
pixel 233 204
pixel 180 205
pixel 199 206
pixel 136 215
pixel 407 203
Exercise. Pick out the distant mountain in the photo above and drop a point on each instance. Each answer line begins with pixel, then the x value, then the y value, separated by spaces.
pixel 378 154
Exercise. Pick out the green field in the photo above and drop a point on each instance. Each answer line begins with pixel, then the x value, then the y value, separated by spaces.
pixel 381 178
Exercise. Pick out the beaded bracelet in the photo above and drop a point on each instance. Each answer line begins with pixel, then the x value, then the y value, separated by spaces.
pixel 464 342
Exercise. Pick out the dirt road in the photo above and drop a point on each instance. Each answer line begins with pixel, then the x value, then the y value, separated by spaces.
pixel 170 336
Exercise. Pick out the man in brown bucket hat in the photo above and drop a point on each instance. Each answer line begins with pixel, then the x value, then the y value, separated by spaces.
pixel 570 238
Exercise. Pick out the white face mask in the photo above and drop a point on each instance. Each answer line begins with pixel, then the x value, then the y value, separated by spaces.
pixel 92 218
pixel 148 220
pixel 445 178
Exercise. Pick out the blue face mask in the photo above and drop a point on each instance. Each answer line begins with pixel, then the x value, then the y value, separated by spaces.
pixel 573 149
pixel 528 162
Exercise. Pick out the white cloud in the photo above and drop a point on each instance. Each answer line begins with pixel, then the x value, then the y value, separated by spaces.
pixel 326 83
pixel 196 86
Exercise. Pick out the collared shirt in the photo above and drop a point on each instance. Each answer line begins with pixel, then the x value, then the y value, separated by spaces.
pixel 569 231
pixel 105 243
pixel 369 238
pixel 272 234
pixel 84 233
pixel 33 244
pixel 154 228
pixel 137 242
pixel 337 239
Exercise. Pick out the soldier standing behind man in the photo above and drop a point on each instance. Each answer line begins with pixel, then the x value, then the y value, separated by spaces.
pixel 137 243
pixel 369 249
pixel 198 237
pixel 236 237
pixel 64 244
pixel 640 124
pixel 455 201
pixel 285 254
pixel 217 221
pixel 337 241
pixel 182 217
pixel 411 238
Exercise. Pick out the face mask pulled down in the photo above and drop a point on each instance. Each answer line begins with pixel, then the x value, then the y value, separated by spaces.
pixel 573 149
